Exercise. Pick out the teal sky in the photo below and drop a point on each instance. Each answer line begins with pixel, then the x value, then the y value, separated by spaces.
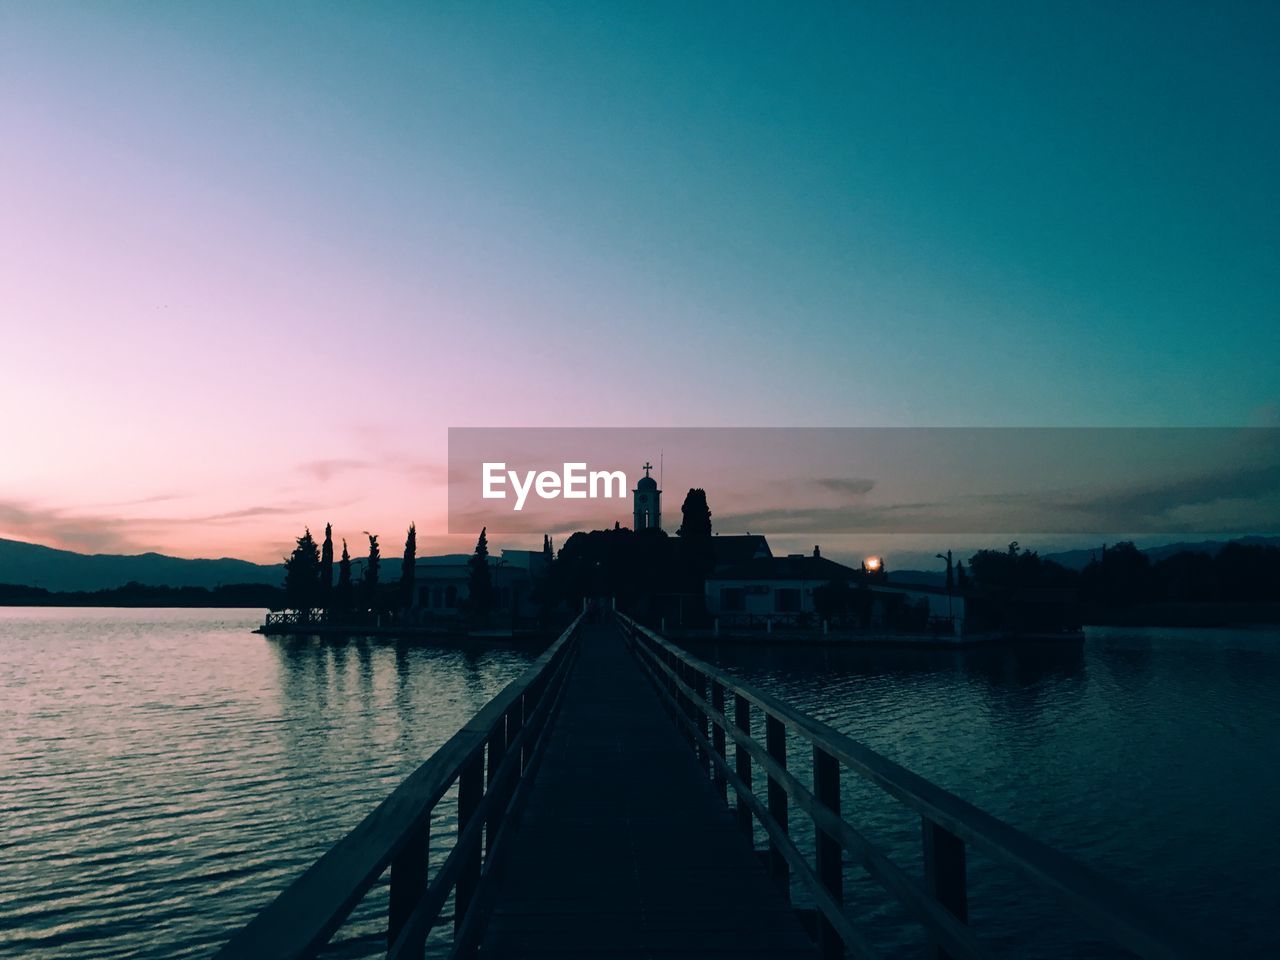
pixel 325 233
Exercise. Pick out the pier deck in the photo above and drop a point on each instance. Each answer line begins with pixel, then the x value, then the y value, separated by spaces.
pixel 624 848
pixel 586 827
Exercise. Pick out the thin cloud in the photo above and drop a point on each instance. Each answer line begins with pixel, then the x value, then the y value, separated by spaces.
pixel 85 533
pixel 1161 505
pixel 820 519
pixel 851 486
pixel 97 532
pixel 248 513
pixel 325 470
pixel 1237 500
pixel 425 471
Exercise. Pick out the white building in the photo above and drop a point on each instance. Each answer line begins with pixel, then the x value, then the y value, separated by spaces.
pixel 765 588
pixel 768 585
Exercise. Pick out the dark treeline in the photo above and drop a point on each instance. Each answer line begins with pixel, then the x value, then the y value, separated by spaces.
pixel 310 589
pixel 640 568
pixel 140 595
pixel 1122 575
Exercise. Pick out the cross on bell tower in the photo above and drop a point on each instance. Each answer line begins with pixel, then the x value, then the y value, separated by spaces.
pixel 648 502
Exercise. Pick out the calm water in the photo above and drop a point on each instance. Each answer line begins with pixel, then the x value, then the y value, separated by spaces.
pixel 1152 755
pixel 163 773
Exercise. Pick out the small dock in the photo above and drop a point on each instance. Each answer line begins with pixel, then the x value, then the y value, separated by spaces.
pixel 624 848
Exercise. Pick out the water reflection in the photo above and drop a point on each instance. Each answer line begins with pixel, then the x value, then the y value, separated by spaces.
pixel 1147 754
pixel 166 772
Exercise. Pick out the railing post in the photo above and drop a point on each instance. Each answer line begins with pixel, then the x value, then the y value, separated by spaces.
pixel 470 789
pixel 742 760
pixel 496 748
pixel 830 857
pixel 944 873
pixel 718 741
pixel 686 703
pixel 408 884
pixel 676 697
pixel 776 744
pixel 521 712
pixel 700 706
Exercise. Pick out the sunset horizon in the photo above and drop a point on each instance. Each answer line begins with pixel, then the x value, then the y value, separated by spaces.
pixel 256 271
pixel 510 481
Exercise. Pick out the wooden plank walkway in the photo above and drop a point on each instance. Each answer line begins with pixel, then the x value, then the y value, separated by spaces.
pixel 624 849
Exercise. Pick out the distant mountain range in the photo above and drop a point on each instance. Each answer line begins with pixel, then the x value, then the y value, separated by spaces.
pixel 33 565
pixel 1079 559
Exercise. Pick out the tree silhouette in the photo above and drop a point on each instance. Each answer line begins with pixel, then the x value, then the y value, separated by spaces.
pixel 407 567
pixel 344 579
pixel 620 562
pixel 695 515
pixel 1016 569
pixel 962 578
pixel 302 574
pixel 1121 577
pixel 544 590
pixel 371 572
pixel 480 582
pixel 326 565
pixel 696 552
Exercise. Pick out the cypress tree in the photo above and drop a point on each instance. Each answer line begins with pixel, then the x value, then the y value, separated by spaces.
pixel 407 566
pixel 302 574
pixel 480 582
pixel 344 579
pixel 371 572
pixel 695 515
pixel 326 566
pixel 695 540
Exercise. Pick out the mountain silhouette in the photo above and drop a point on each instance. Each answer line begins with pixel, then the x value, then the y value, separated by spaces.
pixel 30 564
pixel 1079 559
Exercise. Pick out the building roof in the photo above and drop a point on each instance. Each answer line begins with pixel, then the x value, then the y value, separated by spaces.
pixel 796 567
pixel 739 549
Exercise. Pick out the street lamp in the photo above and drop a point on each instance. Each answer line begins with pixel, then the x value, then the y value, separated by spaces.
pixel 948 559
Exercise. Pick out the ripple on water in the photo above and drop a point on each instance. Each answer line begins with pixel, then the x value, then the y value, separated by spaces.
pixel 165 772
pixel 1149 755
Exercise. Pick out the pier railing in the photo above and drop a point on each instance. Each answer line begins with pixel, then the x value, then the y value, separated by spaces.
pixel 714 710
pixel 492 759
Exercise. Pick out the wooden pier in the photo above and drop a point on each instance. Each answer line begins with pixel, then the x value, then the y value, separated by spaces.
pixel 624 848
pixel 594 820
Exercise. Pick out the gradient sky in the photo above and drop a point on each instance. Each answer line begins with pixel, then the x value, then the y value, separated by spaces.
pixel 255 259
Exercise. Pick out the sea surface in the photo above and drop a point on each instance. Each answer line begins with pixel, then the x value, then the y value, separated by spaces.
pixel 163 773
pixel 1151 755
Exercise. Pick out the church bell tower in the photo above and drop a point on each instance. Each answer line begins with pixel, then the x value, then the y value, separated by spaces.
pixel 648 502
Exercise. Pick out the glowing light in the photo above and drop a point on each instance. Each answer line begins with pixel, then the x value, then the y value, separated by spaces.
pixel 872 563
